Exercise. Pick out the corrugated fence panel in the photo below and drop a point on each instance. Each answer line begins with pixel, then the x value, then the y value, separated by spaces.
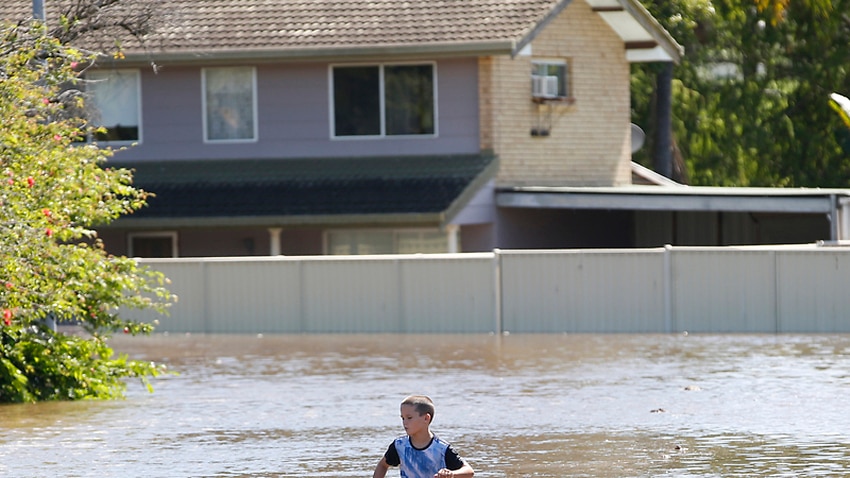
pixel 253 296
pixel 453 294
pixel 814 290
pixel 723 290
pixel 351 294
pixel 583 291
pixel 709 290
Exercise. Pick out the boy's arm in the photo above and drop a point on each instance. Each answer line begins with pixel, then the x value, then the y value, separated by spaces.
pixel 460 466
pixel 381 469
pixel 465 471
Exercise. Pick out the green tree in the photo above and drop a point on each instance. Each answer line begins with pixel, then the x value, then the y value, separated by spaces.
pixel 55 188
pixel 751 96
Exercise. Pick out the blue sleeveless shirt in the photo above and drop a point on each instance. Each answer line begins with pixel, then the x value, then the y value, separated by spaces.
pixel 416 463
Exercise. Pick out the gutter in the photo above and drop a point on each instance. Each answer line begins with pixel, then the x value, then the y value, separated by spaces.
pixel 494 47
pixel 412 219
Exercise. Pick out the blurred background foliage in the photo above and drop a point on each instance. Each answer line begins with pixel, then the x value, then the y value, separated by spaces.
pixel 751 97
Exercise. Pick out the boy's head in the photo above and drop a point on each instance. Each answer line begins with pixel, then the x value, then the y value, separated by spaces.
pixel 421 403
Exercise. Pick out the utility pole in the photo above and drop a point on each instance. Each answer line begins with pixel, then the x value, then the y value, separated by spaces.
pixel 38 10
pixel 663 157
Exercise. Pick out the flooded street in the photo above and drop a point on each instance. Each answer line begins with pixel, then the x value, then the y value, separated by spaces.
pixel 518 405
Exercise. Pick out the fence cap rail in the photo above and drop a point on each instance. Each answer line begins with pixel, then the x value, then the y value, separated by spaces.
pixel 334 258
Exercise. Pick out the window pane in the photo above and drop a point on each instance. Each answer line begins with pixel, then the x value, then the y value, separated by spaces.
pixel 423 242
pixel 153 246
pixel 115 97
pixel 543 71
pixel 360 242
pixel 357 105
pixel 409 91
pixel 560 71
pixel 387 242
pixel 229 103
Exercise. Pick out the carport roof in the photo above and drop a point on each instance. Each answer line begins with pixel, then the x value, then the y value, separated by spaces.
pixel 675 198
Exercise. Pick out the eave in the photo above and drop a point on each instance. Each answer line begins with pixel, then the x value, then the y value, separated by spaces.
pixel 335 53
pixel 646 40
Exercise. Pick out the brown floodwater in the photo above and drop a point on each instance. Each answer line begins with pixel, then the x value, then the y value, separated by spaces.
pixel 516 406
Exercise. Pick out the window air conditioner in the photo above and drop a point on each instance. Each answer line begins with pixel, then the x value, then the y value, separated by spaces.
pixel 544 86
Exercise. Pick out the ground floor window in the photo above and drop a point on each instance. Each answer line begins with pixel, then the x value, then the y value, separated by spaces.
pixel 386 241
pixel 152 244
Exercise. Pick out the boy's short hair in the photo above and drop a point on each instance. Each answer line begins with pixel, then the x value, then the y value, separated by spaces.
pixel 421 403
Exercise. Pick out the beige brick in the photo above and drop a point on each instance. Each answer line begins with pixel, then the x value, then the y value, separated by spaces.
pixel 588 142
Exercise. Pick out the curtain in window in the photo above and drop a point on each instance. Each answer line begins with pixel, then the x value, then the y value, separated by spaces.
pixel 229 103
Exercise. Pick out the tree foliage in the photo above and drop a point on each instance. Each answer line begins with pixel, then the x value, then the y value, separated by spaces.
pixel 106 19
pixel 55 188
pixel 751 96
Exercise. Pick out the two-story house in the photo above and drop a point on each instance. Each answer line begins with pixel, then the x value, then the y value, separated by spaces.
pixel 305 127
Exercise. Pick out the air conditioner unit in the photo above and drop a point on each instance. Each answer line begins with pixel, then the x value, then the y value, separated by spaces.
pixel 544 86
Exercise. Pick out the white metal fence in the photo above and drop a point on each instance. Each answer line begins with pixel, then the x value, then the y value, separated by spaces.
pixel 671 289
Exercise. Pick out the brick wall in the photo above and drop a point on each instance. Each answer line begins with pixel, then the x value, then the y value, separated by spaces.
pixel 485 102
pixel 588 142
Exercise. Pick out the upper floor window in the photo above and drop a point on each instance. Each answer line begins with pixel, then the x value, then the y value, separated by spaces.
pixel 230 104
pixel 383 100
pixel 550 80
pixel 116 97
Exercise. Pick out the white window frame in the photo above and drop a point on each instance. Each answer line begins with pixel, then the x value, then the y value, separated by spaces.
pixel 568 93
pixel 152 235
pixel 382 101
pixel 103 75
pixel 395 236
pixel 254 113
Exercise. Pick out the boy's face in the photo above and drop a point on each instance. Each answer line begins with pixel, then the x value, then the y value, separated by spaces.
pixel 412 421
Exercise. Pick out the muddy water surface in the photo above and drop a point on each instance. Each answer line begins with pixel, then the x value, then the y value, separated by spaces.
pixel 518 405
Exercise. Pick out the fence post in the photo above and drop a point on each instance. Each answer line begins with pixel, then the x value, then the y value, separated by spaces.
pixel 777 316
pixel 668 288
pixel 205 296
pixel 497 289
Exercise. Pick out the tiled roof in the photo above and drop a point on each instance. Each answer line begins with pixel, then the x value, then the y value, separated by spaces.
pixel 305 187
pixel 250 25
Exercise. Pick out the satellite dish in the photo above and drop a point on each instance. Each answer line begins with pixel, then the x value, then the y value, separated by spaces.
pixel 638 137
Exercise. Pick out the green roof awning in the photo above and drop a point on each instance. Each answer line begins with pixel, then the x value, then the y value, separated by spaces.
pixel 262 191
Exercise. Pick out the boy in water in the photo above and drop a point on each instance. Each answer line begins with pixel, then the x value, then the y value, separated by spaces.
pixel 420 454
